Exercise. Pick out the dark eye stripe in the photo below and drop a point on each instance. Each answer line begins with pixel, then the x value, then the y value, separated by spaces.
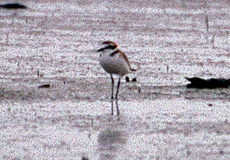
pixel 107 47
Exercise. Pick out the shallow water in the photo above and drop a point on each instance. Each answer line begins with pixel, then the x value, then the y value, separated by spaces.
pixel 55 43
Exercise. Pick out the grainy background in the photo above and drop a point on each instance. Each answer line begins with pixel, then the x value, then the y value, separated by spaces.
pixel 55 42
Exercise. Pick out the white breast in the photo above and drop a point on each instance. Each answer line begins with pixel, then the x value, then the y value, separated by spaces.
pixel 113 64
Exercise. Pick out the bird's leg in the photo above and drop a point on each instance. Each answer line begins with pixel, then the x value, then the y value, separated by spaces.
pixel 112 93
pixel 118 85
pixel 112 85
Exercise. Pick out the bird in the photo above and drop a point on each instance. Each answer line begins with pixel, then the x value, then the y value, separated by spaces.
pixel 13 6
pixel 114 61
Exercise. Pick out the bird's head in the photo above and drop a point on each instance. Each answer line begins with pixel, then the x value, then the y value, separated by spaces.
pixel 108 45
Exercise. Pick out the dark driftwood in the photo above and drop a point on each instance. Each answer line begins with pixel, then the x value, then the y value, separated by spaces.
pixel 13 6
pixel 197 82
pixel 44 86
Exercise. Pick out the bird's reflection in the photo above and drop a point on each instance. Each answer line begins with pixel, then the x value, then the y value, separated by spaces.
pixel 112 138
pixel 111 142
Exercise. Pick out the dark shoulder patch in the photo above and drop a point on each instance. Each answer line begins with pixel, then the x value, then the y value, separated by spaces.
pixel 114 53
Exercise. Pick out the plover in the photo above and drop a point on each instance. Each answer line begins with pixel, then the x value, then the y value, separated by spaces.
pixel 114 61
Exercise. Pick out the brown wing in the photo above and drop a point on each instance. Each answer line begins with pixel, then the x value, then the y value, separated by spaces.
pixel 127 60
pixel 123 56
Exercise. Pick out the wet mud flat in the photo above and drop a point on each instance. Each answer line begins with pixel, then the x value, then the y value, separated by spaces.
pixel 70 122
pixel 53 45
